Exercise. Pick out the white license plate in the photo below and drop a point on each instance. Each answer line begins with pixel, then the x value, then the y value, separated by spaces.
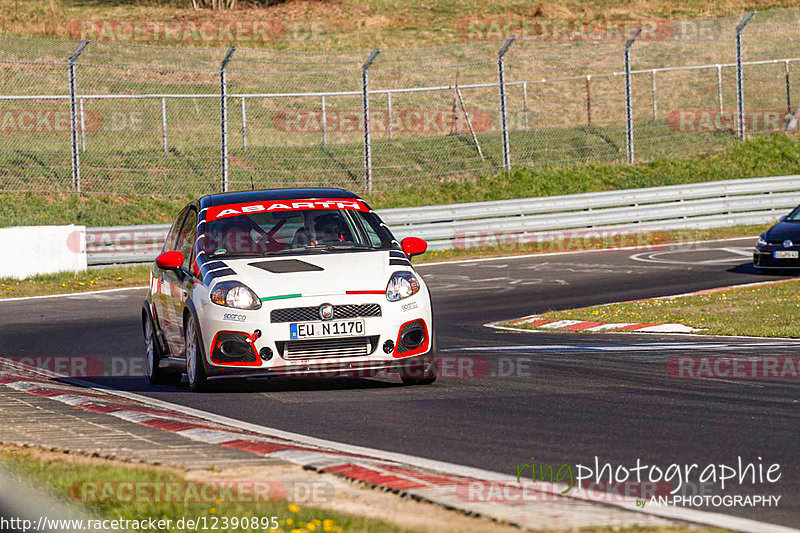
pixel 786 254
pixel 334 328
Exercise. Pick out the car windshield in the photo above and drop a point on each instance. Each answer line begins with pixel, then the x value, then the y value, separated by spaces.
pixel 794 216
pixel 290 231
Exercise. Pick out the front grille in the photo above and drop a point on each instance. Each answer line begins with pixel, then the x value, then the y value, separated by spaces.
pixel 311 313
pixel 322 348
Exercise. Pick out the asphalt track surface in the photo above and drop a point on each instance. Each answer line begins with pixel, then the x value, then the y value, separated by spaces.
pixel 561 398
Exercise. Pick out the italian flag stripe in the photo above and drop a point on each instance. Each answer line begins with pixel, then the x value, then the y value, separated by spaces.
pixel 281 297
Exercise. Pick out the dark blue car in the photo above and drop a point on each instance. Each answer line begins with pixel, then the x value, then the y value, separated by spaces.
pixel 779 247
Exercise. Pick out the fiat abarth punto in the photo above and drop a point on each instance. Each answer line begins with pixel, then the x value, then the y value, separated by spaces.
pixel 286 283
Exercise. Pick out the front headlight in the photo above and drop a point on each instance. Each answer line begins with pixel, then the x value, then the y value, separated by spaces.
pixel 762 241
pixel 235 294
pixel 401 285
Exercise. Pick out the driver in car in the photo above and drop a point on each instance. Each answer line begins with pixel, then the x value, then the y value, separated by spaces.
pixel 327 229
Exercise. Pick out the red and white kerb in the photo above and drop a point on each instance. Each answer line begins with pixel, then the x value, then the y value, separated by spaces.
pixel 233 210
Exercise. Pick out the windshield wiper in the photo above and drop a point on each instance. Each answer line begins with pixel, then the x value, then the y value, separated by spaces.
pixel 252 254
pixel 337 246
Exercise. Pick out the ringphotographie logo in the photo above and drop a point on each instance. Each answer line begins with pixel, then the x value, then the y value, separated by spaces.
pixel 675 484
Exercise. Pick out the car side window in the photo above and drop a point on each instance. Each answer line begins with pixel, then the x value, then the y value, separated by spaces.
pixel 372 235
pixel 187 237
pixel 379 235
pixel 172 235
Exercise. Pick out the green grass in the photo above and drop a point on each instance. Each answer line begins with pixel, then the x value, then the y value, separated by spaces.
pixel 766 156
pixel 762 311
pixel 63 480
pixel 762 156
pixel 69 282
pixel 88 210
pixel 130 163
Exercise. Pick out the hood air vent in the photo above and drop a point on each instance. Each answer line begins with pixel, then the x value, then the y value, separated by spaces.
pixel 286 266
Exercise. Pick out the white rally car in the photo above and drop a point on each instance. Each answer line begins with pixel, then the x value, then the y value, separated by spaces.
pixel 286 282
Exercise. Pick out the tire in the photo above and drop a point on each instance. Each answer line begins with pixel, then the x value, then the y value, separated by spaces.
pixel 152 357
pixel 424 372
pixel 195 368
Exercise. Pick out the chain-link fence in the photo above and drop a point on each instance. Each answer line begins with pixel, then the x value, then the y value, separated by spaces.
pixel 137 119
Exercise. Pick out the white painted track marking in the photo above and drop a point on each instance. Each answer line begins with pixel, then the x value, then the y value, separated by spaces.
pixel 659 257
pixel 76 295
pixel 602 250
pixel 671 513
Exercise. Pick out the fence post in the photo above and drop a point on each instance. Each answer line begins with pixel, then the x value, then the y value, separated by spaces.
pixel 589 100
pixel 365 100
pixel 719 88
pixel 655 94
pixel 164 138
pixel 788 90
pixel 389 113
pixel 244 124
pixel 629 98
pixel 73 119
pixel 739 74
pixel 223 94
pixel 525 102
pixel 502 82
pixel 324 123
pixel 83 128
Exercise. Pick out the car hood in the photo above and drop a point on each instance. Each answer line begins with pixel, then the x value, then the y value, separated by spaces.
pixel 784 230
pixel 307 275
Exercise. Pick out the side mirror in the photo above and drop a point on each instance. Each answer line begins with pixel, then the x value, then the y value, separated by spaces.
pixel 414 246
pixel 783 217
pixel 170 260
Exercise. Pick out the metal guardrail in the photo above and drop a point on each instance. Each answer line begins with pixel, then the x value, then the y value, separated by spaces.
pixel 692 206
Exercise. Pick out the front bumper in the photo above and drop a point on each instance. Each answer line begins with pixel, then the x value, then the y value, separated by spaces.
pixel 330 369
pixel 763 257
pixel 275 354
